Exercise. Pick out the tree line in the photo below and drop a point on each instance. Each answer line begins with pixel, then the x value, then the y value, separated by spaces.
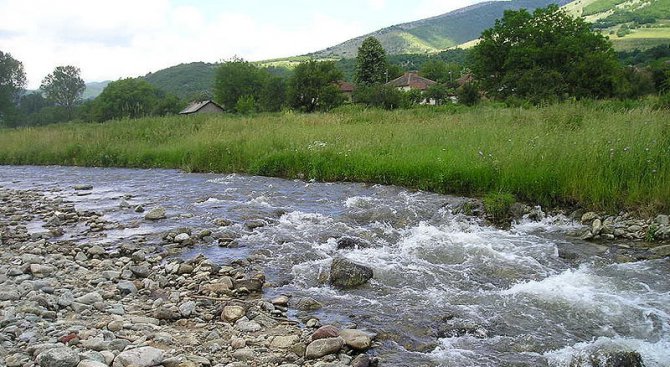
pixel 540 57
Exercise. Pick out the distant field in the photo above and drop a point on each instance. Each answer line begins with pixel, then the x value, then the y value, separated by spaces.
pixel 594 155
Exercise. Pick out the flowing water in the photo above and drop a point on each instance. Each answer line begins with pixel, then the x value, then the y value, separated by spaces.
pixel 447 289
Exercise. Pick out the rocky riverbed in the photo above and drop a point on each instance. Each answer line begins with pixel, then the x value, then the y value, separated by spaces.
pixel 66 301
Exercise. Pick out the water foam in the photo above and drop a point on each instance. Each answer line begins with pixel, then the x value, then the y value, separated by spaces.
pixel 653 354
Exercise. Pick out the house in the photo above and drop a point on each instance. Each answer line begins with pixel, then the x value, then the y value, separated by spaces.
pixel 202 107
pixel 411 80
pixel 346 88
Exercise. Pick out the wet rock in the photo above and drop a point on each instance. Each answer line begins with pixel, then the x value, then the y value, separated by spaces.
pixel 139 209
pixel 608 359
pixel 58 357
pixel 323 347
pixel 346 243
pixel 661 251
pixel 155 214
pixel 83 187
pixel 348 274
pixel 361 360
pixel 589 217
pixel 326 331
pixel 182 237
pixel 96 251
pixel 356 339
pixel 252 285
pixel 255 223
pixel 140 357
pixel 281 300
pixel 307 304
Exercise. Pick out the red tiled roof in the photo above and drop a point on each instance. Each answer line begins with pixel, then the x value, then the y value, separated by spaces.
pixel 412 80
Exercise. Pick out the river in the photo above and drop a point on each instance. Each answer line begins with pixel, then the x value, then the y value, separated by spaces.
pixel 448 290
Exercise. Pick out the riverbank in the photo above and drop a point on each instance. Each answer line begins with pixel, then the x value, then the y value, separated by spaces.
pixel 594 155
pixel 69 303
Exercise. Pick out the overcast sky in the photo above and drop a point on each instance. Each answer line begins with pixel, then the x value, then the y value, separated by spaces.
pixel 114 39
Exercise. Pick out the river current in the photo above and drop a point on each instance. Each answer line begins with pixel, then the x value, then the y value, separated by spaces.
pixel 448 290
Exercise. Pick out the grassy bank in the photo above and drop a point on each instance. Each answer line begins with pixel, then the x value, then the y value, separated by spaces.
pixel 573 153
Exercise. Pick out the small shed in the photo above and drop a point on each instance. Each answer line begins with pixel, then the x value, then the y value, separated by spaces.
pixel 202 107
pixel 411 80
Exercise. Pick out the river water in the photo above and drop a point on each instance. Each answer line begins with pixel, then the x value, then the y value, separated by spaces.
pixel 447 289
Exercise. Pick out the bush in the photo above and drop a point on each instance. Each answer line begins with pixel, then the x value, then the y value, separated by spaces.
pixel 468 94
pixel 381 96
pixel 245 105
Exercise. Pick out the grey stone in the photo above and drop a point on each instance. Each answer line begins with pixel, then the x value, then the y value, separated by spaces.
pixel 348 274
pixel 91 363
pixel 139 357
pixel 356 339
pixel 187 308
pixel 89 298
pixel 323 347
pixel 661 251
pixel 247 326
pixel 155 214
pixel 83 187
pixel 126 287
pixel 233 313
pixel 662 220
pixel 58 357
pixel 589 217
pixel 182 237
pixel 284 342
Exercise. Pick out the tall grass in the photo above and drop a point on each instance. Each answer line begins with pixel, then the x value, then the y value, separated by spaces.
pixel 596 155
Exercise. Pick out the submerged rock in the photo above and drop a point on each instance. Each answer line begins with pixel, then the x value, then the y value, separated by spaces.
pixel 345 273
pixel 155 214
pixel 608 359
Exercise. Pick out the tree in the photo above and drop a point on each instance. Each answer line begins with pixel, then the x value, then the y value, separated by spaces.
pixel 547 52
pixel 440 71
pixel 273 95
pixel 371 64
pixel 380 96
pixel 132 98
pixel 237 78
pixel 64 87
pixel 313 87
pixel 12 82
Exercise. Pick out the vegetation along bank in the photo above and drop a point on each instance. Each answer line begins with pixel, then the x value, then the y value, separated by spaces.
pixel 595 155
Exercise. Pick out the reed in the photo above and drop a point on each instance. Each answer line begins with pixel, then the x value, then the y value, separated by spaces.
pixel 595 155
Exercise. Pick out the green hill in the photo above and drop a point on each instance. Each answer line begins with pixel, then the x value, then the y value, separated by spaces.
pixel 437 33
pixel 186 81
pixel 93 89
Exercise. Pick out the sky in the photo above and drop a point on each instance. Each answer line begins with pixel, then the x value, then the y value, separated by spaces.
pixel 109 40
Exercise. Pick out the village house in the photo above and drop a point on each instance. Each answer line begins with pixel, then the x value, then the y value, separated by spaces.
pixel 202 107
pixel 411 80
pixel 347 89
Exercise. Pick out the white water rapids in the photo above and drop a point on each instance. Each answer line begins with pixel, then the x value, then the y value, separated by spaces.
pixel 448 290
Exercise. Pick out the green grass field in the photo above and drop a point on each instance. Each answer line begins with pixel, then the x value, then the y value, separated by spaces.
pixel 595 155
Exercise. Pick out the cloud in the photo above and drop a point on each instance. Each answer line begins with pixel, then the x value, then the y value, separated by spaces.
pixel 430 8
pixel 377 5
pixel 128 38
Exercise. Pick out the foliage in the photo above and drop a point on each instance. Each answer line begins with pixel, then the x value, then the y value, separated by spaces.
pixel 498 204
pixel 441 71
pixel 64 87
pixel 245 105
pixel 133 98
pixel 438 93
pixel 12 82
pixel 371 64
pixel 600 155
pixel 636 82
pixel 525 53
pixel 378 95
pixel 468 94
pixel 186 81
pixel 313 87
pixel 273 94
pixel 237 78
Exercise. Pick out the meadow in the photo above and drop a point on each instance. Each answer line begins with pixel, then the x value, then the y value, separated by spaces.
pixel 594 155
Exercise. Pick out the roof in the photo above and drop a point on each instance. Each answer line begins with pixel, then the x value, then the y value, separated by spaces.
pixel 194 107
pixel 345 87
pixel 412 80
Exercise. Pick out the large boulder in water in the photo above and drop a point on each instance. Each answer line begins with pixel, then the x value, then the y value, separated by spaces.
pixel 606 358
pixel 348 274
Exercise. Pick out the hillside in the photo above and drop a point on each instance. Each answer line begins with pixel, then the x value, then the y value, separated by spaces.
pixel 437 33
pixel 186 81
pixel 629 24
pixel 93 89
